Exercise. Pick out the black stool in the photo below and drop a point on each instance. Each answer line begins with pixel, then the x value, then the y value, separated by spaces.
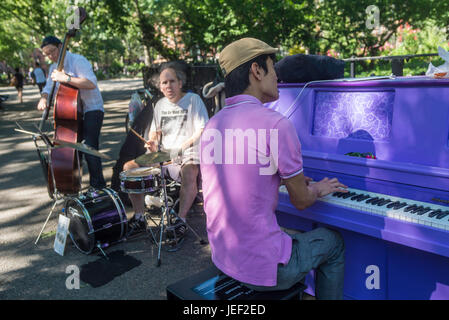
pixel 212 284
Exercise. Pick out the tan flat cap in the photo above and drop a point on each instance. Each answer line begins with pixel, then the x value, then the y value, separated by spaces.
pixel 241 51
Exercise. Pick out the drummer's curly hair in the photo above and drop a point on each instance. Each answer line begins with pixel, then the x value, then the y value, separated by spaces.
pixel 178 67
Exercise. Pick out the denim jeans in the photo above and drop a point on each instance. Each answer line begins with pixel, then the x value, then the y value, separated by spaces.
pixel 91 127
pixel 320 249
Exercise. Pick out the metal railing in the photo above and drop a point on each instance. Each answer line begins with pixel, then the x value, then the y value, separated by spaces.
pixel 397 62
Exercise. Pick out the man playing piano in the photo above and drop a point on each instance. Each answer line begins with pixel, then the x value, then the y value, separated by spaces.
pixel 241 194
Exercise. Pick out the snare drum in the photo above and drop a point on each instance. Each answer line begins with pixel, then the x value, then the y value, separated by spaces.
pixel 96 218
pixel 140 180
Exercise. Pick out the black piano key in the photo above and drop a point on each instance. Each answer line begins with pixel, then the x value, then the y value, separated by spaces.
pixel 336 194
pixel 370 200
pixel 422 211
pixel 365 196
pixel 417 209
pixel 391 205
pixel 443 214
pixel 348 194
pixel 434 213
pixel 383 202
pixel 357 196
pixel 410 208
pixel 376 202
pixel 400 205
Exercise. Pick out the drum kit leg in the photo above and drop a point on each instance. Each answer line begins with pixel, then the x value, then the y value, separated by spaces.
pixel 48 171
pixel 155 181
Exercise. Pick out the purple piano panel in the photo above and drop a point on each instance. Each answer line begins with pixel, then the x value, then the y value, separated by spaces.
pixel 362 115
pixel 404 122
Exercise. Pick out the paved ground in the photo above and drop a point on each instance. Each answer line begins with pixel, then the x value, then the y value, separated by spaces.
pixel 29 271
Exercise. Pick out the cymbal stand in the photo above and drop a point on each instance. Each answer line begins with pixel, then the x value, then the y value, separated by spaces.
pixel 168 212
pixel 164 214
pixel 164 220
pixel 56 196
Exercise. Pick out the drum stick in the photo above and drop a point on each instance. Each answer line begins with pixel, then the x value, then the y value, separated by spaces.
pixel 138 135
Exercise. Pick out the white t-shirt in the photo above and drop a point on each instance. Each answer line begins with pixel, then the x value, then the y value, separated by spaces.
pixel 179 121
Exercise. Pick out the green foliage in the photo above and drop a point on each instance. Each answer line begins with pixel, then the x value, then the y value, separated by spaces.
pixel 121 35
pixel 409 41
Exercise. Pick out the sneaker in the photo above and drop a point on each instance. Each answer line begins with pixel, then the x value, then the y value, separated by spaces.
pixel 136 225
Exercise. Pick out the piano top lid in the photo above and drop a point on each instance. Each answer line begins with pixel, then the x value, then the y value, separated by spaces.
pixel 377 81
pixel 405 167
pixel 382 171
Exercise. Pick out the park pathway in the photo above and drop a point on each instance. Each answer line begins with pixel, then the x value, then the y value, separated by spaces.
pixel 29 271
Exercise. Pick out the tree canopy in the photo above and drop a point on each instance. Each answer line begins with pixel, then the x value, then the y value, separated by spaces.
pixel 121 33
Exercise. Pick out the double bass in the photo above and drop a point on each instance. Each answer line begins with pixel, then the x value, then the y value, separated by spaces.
pixel 63 168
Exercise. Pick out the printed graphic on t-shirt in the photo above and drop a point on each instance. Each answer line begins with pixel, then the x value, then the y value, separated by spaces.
pixel 173 123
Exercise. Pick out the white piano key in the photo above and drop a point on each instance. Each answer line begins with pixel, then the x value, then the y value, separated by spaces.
pixel 398 214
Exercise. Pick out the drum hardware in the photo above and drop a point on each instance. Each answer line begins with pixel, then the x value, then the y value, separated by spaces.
pixel 166 204
pixel 149 180
pixel 46 163
pixel 151 159
pixel 101 250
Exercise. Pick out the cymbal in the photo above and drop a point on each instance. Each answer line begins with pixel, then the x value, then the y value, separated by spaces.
pixel 154 157
pixel 80 147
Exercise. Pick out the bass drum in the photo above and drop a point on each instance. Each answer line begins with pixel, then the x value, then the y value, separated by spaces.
pixel 97 218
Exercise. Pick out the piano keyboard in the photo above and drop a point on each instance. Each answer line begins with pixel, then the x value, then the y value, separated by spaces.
pixel 393 207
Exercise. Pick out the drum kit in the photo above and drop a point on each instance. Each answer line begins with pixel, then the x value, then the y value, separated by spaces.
pixel 98 217
pixel 152 179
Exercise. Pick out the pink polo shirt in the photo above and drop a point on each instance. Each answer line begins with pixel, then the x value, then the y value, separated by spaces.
pixel 245 151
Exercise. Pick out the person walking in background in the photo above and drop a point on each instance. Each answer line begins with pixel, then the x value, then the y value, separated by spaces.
pixel 17 81
pixel 39 77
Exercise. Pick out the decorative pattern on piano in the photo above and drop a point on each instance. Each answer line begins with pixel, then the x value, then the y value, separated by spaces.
pixel 361 115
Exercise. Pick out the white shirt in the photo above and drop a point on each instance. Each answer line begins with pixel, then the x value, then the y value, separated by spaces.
pixel 78 66
pixel 179 121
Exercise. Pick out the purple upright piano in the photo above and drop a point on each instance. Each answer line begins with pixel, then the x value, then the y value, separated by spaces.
pixel 395 220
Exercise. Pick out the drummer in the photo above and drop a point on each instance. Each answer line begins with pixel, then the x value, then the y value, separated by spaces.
pixel 179 119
